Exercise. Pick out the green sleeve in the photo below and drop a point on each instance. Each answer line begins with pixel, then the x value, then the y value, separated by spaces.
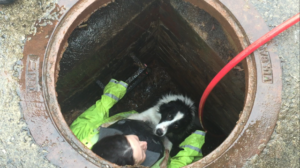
pixel 85 125
pixel 191 150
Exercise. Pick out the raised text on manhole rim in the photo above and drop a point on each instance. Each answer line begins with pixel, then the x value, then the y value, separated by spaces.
pixel 265 60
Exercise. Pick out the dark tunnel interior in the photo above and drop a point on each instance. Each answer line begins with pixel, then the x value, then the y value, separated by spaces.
pixel 183 47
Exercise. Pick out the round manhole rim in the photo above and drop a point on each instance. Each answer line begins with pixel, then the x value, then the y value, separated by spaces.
pixel 52 59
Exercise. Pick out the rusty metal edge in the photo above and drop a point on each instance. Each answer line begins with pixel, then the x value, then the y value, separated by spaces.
pixel 234 21
pixel 60 36
pixel 236 34
pixel 77 14
pixel 231 152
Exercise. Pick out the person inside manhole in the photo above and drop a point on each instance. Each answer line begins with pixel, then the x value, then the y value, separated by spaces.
pixel 128 142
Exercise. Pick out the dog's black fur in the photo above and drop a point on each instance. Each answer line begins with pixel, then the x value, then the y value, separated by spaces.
pixel 179 130
pixel 172 117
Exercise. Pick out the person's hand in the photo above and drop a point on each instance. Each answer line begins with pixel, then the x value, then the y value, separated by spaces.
pixel 164 163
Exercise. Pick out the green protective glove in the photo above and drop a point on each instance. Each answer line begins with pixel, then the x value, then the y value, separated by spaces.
pixel 191 150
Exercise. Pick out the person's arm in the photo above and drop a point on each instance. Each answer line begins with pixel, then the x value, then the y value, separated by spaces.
pixel 85 126
pixel 191 150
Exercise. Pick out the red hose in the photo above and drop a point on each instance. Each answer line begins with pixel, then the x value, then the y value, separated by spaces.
pixel 271 34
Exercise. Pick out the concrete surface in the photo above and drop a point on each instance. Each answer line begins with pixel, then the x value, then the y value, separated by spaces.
pixel 18 149
pixel 283 150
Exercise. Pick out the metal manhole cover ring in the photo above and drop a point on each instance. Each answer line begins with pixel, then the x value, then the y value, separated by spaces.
pixel 250 135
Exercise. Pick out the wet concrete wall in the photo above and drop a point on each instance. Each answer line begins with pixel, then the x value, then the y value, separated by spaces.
pixel 185 43
pixel 107 36
pixel 193 44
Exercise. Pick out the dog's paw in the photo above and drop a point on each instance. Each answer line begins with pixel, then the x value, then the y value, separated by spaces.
pixel 138 117
pixel 164 163
pixel 134 117
pixel 167 144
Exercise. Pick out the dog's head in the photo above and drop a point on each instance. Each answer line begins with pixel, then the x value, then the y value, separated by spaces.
pixel 176 117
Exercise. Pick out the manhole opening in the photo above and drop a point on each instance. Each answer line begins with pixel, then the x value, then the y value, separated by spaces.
pixel 184 46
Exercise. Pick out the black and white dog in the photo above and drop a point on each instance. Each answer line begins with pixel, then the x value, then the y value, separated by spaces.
pixel 172 118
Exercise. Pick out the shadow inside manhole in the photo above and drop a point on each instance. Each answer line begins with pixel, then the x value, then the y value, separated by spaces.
pixel 183 46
